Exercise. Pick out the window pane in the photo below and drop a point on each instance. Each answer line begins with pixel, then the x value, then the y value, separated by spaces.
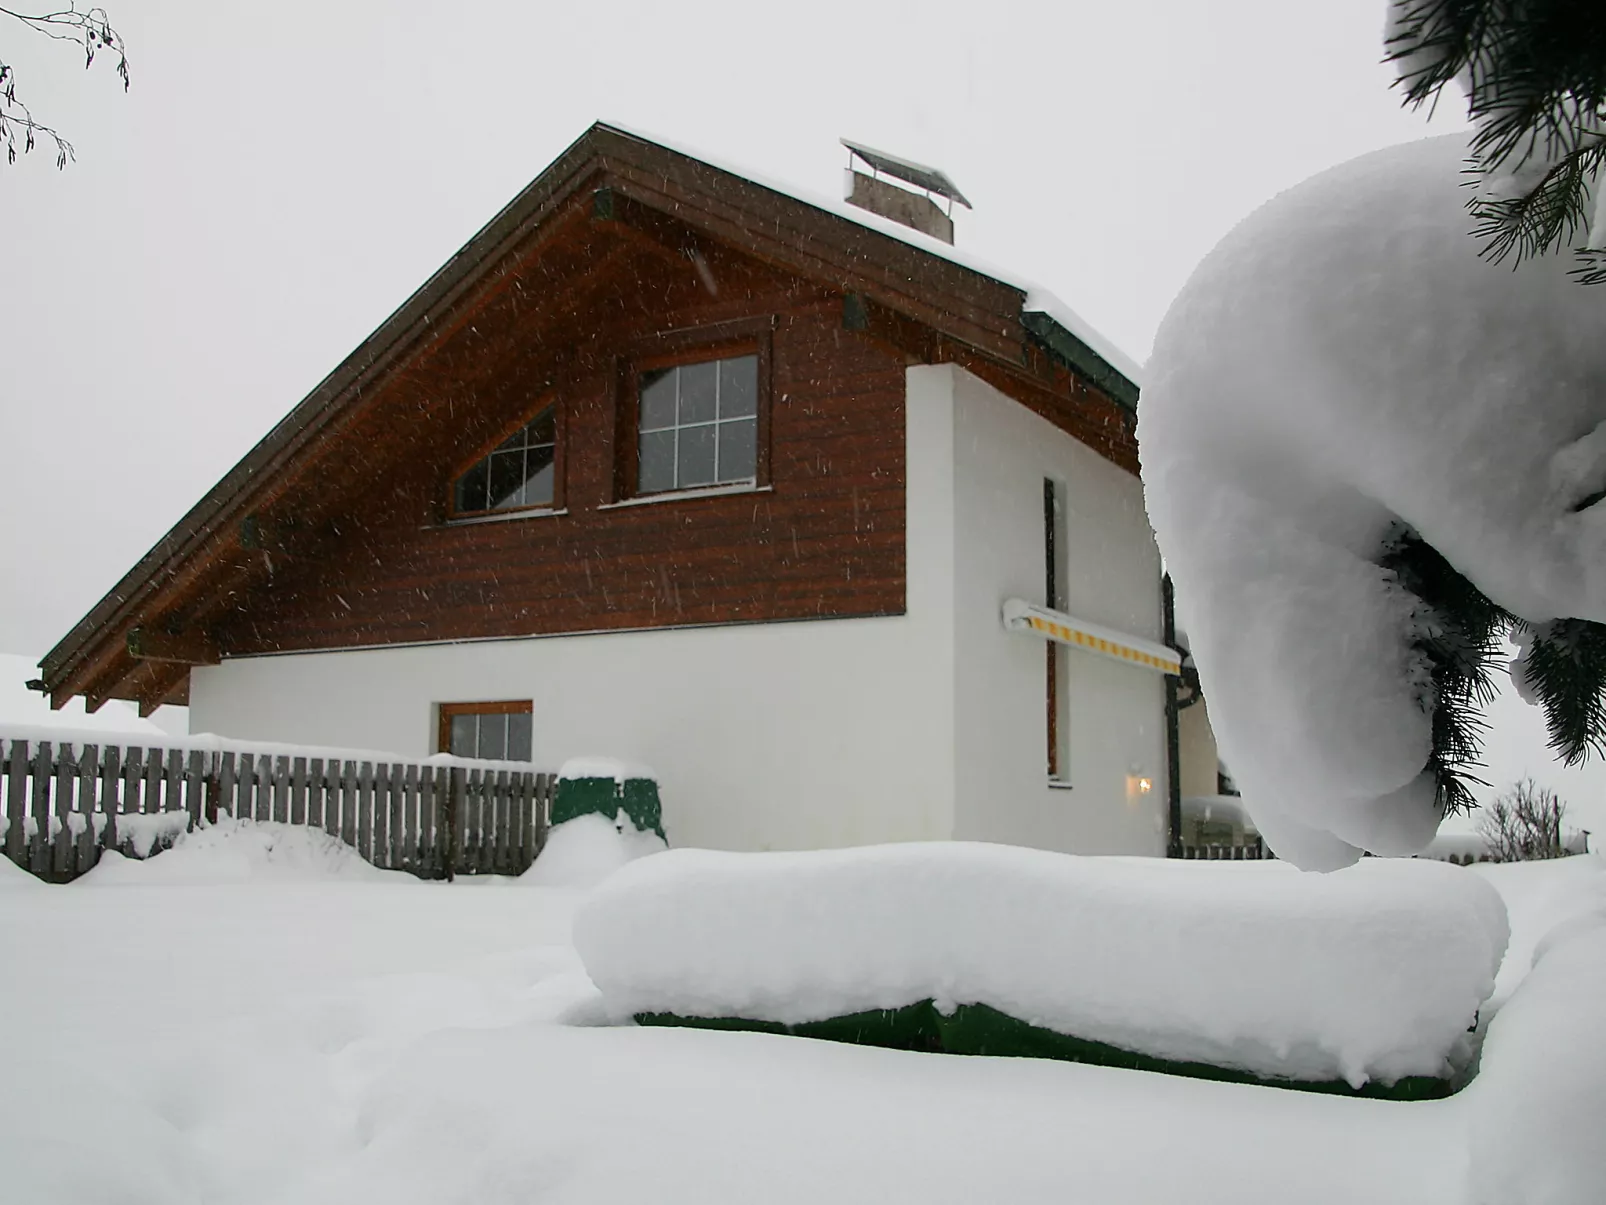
pixel 697 392
pixel 738 387
pixel 518 737
pixel 538 485
pixel 507 480
pixel 696 457
pixel 543 429
pixel 657 399
pixel 465 738
pixel 657 470
pixel 512 442
pixel 493 736
pixel 471 488
pixel 738 449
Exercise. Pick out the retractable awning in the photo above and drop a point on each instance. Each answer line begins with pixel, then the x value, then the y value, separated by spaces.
pixel 1022 616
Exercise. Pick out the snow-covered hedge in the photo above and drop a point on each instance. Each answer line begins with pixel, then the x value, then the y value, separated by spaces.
pixel 1373 974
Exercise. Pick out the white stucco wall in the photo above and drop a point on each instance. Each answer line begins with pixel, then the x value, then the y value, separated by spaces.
pixel 1115 712
pixel 824 733
pixel 774 736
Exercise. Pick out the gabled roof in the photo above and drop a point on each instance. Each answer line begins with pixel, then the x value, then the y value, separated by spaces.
pixel 883 268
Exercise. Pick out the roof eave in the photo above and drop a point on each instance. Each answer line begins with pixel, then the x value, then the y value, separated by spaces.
pixel 1076 355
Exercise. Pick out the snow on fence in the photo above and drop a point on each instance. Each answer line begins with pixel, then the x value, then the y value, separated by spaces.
pixel 62 803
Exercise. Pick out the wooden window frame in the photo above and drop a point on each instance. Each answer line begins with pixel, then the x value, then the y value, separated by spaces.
pixel 675 349
pixel 1054 503
pixel 443 726
pixel 553 402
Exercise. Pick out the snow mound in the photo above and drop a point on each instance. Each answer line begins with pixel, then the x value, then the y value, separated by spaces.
pixel 1341 363
pixel 12 875
pixel 238 851
pixel 1540 1095
pixel 1371 974
pixel 584 851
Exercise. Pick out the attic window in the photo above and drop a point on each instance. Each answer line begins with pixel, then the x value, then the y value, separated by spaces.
pixel 698 425
pixel 518 474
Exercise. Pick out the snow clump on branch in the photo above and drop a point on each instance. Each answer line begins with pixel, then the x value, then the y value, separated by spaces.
pixel 1341 368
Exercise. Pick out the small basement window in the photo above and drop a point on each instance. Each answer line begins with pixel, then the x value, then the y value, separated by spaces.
pixel 518 474
pixel 500 731
pixel 697 425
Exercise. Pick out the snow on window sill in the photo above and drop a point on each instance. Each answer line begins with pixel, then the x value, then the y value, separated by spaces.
pixel 712 491
pixel 505 517
pixel 1060 784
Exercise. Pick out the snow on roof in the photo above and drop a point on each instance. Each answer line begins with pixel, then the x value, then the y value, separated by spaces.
pixel 21 706
pixel 1039 300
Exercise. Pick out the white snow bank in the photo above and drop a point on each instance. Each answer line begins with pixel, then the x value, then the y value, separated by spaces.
pixel 1540 1096
pixel 1343 360
pixel 236 851
pixel 1540 897
pixel 584 851
pixel 142 832
pixel 604 767
pixel 1374 973
pixel 12 875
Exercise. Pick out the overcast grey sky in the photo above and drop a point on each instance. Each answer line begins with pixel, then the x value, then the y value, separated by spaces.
pixel 282 175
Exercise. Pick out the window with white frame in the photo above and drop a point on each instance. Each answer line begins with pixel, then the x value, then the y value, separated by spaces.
pixel 698 425
pixel 518 474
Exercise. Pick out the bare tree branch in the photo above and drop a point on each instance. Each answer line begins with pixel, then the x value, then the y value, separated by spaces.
pixel 89 29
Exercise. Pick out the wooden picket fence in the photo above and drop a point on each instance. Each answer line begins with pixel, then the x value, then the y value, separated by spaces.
pixel 1255 852
pixel 61 807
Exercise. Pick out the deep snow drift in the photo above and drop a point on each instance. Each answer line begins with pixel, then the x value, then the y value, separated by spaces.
pixel 236 851
pixel 1372 974
pixel 418 1043
pixel 1341 361
pixel 1537 1104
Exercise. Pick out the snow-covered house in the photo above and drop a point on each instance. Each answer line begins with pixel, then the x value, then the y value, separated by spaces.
pixel 777 495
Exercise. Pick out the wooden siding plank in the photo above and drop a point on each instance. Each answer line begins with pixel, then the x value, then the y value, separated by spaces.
pixel 111 792
pixel 17 802
pixel 428 821
pixel 88 805
pixel 195 787
pixel 380 853
pixel 298 791
pixel 395 856
pixel 61 840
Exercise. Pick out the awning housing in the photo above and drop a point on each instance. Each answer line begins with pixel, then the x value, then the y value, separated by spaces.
pixel 1022 616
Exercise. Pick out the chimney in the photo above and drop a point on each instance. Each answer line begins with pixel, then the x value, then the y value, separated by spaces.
pixel 917 210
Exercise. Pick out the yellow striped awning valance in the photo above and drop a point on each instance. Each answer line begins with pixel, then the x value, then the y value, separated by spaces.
pixel 1022 616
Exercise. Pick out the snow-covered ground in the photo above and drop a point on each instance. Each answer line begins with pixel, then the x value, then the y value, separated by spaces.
pixel 261 1022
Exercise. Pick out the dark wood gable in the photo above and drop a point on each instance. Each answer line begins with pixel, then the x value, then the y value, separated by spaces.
pixel 335 531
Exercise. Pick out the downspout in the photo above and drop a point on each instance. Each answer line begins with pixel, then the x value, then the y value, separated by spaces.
pixel 1173 730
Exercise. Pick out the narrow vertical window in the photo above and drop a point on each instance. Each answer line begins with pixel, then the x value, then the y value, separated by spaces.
pixel 1056 669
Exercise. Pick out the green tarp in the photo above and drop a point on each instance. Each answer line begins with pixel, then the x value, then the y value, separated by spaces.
pixel 979 1029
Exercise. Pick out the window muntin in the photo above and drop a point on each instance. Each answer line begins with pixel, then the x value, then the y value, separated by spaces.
pixel 500 731
pixel 518 474
pixel 697 425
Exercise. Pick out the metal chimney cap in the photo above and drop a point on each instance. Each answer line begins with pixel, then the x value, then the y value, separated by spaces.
pixel 929 178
